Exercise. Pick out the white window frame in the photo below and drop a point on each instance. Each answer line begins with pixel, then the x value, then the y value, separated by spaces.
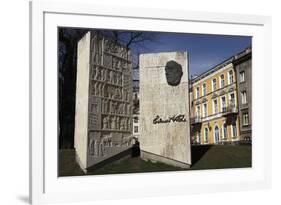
pixel 222 101
pixel 244 97
pixel 197 92
pixel 204 94
pixel 214 89
pixel 221 86
pixel 216 125
pixel 232 133
pixel 224 131
pixel 228 73
pixel 214 110
pixel 243 119
pixel 205 110
pixel 206 141
pixel 242 77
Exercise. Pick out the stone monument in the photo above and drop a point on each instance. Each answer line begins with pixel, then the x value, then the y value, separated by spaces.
pixel 164 108
pixel 103 114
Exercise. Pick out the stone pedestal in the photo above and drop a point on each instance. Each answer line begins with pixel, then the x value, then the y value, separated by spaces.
pixel 164 108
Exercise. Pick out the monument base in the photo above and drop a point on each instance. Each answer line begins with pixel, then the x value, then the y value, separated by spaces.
pixel 157 158
pixel 111 160
pixel 78 161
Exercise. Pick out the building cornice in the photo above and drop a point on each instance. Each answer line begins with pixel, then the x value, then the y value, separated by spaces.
pixel 241 56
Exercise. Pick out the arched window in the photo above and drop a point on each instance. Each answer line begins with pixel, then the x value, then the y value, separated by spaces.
pixel 206 135
pixel 223 104
pixel 214 84
pixel 230 77
pixel 215 106
pixel 204 89
pixel 205 110
pixel 224 131
pixel 217 135
pixel 222 81
pixel 234 130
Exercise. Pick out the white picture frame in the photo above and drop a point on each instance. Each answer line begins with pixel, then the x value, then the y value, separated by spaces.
pixel 46 186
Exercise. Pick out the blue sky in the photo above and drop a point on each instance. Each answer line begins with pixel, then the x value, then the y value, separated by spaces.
pixel 205 51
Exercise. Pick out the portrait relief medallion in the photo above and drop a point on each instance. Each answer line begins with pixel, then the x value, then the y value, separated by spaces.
pixel 173 72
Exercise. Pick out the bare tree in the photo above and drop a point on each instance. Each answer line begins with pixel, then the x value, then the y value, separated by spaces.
pixel 129 38
pixel 67 44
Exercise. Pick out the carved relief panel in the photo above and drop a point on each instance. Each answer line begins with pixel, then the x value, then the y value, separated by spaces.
pixel 110 102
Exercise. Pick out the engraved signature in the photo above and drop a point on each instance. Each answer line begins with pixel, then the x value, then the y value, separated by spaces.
pixel 175 118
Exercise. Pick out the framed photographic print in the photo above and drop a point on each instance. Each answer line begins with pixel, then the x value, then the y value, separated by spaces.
pixel 146 102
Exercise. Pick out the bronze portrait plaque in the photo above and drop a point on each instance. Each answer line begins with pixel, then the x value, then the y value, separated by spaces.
pixel 173 73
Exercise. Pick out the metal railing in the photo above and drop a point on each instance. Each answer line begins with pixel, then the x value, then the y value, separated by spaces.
pixel 196 120
pixel 230 109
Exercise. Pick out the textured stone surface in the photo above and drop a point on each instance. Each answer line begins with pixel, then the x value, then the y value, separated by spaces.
pixel 164 110
pixel 103 115
pixel 81 114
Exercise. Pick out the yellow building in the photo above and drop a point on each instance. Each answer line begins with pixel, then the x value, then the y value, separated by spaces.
pixel 214 106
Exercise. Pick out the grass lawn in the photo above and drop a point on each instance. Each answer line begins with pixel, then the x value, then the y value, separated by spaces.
pixel 203 157
pixel 221 156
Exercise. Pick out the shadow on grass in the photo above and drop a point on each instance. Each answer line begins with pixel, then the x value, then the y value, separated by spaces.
pixel 203 157
pixel 112 160
pixel 197 152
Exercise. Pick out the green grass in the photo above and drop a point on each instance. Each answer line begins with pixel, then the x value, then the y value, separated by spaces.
pixel 221 156
pixel 203 157
pixel 67 163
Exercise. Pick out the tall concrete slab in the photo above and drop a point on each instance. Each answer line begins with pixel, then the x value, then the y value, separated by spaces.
pixel 164 108
pixel 82 100
pixel 103 114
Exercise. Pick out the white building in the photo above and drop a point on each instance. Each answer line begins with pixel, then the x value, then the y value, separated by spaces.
pixel 136 113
